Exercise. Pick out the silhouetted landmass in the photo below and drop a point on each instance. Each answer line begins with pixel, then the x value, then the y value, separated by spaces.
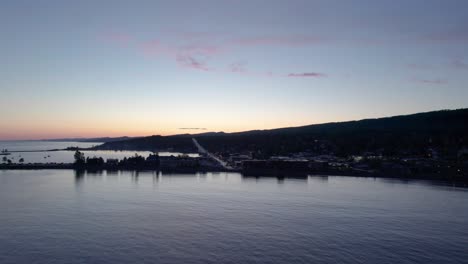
pixel 101 139
pixel 446 131
pixel 181 143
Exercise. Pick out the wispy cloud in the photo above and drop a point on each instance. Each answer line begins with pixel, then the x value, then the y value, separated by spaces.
pixel 201 49
pixel 432 81
pixel 195 50
pixel 307 75
pixel 420 66
pixel 449 36
pixel 453 64
pixel 459 64
pixel 193 35
pixel 297 40
pixel 192 128
pixel 188 61
pixel 187 56
pixel 156 48
pixel 238 67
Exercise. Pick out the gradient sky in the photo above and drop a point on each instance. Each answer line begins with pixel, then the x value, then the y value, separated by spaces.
pixel 112 68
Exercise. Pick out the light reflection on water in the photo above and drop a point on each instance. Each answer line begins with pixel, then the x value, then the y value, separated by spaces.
pixel 53 216
pixel 66 156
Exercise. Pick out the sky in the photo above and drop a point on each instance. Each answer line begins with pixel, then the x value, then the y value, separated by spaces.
pixel 113 68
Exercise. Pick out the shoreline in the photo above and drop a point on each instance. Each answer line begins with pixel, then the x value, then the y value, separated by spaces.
pixel 280 175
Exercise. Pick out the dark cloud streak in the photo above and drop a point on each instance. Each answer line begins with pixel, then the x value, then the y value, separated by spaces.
pixel 307 75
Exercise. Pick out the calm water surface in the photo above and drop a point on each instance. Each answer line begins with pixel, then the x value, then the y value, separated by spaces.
pixel 65 156
pixel 53 216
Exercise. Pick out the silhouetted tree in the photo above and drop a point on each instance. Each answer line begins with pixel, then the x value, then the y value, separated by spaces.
pixel 136 160
pixel 95 161
pixel 79 158
pixel 21 160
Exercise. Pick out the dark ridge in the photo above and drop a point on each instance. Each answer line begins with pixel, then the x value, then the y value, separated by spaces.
pixel 100 139
pixel 445 130
pixel 180 143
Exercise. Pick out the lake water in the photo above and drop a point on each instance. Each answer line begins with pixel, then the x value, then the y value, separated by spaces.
pixel 65 156
pixel 58 216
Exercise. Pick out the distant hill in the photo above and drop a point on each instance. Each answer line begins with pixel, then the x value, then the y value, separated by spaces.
pixel 101 139
pixel 181 143
pixel 446 131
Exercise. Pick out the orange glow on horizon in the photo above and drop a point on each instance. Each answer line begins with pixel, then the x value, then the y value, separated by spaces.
pixel 37 127
pixel 92 130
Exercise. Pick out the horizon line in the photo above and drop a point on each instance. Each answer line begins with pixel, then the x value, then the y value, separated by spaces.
pixel 169 135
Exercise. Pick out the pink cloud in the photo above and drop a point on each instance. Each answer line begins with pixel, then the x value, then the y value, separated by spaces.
pixel 195 35
pixel 204 50
pixel 194 50
pixel 156 47
pixel 307 75
pixel 188 56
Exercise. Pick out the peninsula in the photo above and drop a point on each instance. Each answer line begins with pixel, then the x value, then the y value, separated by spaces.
pixel 430 145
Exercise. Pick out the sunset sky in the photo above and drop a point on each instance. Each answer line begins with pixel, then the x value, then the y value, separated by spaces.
pixel 114 68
